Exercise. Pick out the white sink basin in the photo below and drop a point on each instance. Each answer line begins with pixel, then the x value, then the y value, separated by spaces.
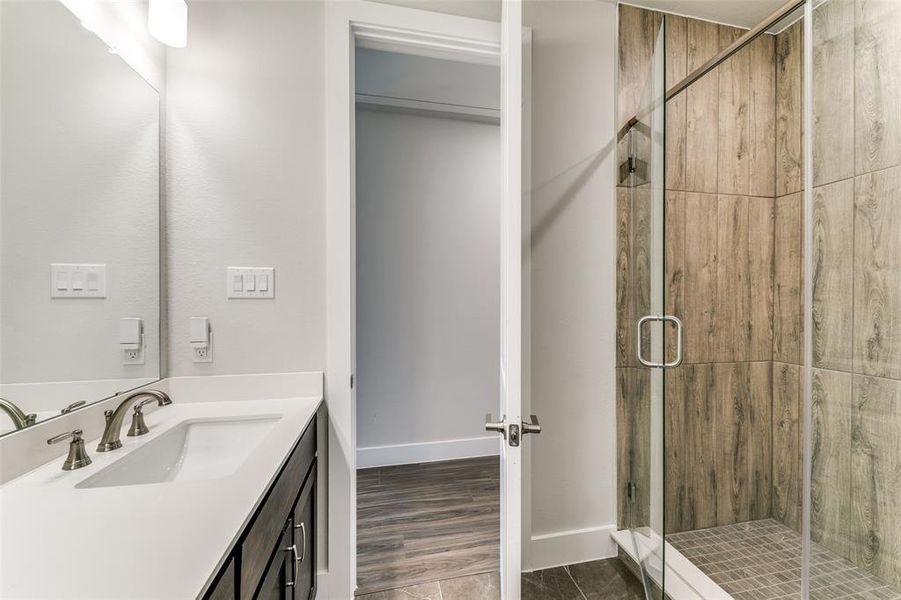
pixel 193 450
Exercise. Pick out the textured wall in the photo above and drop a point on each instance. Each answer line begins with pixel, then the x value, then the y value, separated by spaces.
pixel 246 184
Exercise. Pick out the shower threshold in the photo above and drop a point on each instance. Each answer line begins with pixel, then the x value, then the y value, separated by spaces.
pixel 684 581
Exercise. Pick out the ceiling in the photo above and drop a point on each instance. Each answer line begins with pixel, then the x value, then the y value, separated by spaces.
pixel 741 13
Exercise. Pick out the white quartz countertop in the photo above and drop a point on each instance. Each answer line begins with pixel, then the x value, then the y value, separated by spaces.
pixel 161 540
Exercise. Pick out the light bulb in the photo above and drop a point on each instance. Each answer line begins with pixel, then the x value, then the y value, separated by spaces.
pixel 167 21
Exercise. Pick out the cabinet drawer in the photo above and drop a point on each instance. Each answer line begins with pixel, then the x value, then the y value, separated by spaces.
pixel 263 535
pixel 305 540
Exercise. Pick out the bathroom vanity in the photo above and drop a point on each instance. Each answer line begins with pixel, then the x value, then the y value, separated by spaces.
pixel 218 500
pixel 274 556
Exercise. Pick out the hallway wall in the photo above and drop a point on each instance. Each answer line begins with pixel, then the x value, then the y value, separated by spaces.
pixel 428 292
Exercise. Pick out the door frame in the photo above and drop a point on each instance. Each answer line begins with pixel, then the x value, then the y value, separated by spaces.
pixel 430 33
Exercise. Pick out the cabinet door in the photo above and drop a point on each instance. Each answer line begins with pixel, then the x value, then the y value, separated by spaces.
pixel 305 540
pixel 276 580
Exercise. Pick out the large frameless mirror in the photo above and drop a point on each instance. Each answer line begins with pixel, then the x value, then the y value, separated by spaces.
pixel 79 218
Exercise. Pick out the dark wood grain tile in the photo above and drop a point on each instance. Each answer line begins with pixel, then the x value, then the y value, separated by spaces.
pixel 426 522
pixel 676 115
pixel 877 84
pixel 762 108
pixel 833 98
pixel 787 455
pixel 641 26
pixel 833 249
pixel 700 277
pixel 830 495
pixel 877 273
pixel 875 485
pixel 733 111
pixel 690 432
pixel 742 462
pixel 787 300
pixel 788 110
pixel 702 110
pixel 633 422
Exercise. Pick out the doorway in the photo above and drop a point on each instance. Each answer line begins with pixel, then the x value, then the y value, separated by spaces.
pixel 427 310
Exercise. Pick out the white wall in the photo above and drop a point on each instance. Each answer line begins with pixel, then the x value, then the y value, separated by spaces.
pixel 246 184
pixel 573 267
pixel 427 284
pixel 80 184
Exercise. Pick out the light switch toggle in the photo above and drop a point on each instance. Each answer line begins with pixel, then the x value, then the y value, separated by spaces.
pixel 255 282
pixel 77 281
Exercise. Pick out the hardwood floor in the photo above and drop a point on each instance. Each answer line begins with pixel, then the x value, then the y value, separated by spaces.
pixel 427 522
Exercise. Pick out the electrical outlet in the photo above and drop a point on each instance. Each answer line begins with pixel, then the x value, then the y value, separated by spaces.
pixel 204 354
pixel 134 356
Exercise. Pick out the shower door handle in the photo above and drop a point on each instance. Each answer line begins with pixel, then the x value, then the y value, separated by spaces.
pixel 663 319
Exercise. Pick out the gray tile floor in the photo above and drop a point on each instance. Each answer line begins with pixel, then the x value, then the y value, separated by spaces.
pixel 598 580
pixel 471 587
pixel 761 560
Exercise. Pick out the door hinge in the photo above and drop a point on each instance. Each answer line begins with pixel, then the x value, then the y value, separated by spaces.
pixel 351 381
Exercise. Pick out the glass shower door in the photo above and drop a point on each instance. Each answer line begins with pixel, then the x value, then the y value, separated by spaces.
pixel 642 323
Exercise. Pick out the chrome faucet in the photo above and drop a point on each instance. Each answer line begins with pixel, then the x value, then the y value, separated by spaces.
pixel 18 416
pixel 114 418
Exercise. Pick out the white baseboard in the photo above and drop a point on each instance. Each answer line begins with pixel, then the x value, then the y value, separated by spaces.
pixel 405 454
pixel 322 585
pixel 571 547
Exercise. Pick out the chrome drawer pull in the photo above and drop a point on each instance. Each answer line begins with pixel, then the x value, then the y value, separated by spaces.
pixel 303 536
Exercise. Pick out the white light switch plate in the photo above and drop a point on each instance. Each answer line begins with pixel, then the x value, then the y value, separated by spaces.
pixel 250 282
pixel 77 281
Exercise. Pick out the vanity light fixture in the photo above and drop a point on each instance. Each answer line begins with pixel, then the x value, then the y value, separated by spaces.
pixel 167 21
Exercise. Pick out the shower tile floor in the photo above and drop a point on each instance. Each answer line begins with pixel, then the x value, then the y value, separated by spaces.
pixel 761 560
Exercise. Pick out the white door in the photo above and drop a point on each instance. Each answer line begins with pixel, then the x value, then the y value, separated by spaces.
pixel 437 35
pixel 511 425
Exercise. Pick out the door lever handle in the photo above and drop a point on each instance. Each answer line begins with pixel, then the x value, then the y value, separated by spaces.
pixel 532 427
pixel 498 426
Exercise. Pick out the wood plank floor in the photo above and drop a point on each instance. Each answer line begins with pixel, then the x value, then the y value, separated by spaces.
pixel 427 522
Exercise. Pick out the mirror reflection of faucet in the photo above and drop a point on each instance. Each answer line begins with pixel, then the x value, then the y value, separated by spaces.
pixel 17 415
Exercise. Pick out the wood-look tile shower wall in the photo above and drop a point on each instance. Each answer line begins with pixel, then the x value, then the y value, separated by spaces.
pixel 732 391
pixel 720 188
pixel 856 312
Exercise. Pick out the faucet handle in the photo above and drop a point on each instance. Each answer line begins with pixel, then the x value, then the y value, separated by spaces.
pixel 77 457
pixel 72 407
pixel 138 426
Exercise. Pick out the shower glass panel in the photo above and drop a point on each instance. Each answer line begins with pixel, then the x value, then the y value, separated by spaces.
pixel 854 237
pixel 641 215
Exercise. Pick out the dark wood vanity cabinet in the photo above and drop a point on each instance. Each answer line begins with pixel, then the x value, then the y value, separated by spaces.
pixel 275 556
